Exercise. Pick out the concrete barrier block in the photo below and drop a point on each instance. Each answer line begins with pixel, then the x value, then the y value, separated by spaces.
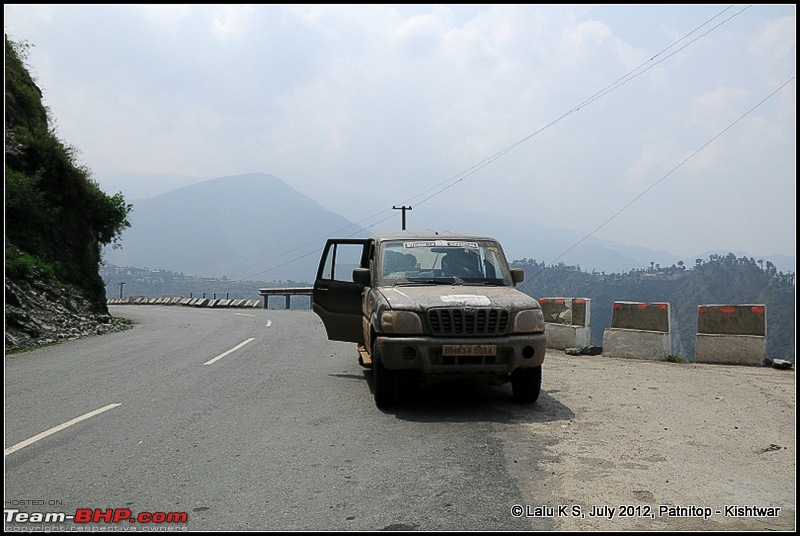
pixel 730 349
pixel 566 311
pixel 732 319
pixel 561 337
pixel 634 343
pixel 641 316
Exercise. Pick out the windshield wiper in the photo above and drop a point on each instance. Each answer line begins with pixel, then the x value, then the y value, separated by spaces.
pixel 428 282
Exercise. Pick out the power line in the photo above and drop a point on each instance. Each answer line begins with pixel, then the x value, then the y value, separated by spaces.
pixel 670 172
pixel 614 85
pixel 459 177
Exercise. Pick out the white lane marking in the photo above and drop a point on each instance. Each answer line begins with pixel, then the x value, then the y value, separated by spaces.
pixel 269 323
pixel 37 437
pixel 220 356
pixel 242 314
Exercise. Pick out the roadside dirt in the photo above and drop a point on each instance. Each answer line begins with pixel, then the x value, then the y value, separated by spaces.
pixel 671 442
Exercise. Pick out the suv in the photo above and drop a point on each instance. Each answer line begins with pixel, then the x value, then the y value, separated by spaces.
pixel 429 306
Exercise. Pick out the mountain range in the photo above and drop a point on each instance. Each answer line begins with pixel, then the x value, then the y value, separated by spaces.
pixel 256 227
pixel 251 226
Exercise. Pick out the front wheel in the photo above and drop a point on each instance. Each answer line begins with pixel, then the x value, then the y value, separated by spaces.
pixel 526 384
pixel 384 382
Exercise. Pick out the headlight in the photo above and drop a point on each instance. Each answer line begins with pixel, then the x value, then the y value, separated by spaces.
pixel 530 321
pixel 403 322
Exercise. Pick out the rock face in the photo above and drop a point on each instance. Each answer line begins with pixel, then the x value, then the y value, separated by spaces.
pixel 41 312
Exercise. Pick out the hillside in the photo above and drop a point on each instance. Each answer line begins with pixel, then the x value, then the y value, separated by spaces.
pixel 257 226
pixel 57 220
pixel 718 280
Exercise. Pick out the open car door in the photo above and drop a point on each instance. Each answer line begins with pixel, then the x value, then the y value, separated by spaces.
pixel 336 298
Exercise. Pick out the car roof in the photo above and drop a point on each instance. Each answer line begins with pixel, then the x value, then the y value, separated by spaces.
pixel 427 234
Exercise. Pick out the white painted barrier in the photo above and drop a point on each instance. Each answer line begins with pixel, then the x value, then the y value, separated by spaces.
pixel 566 322
pixel 639 330
pixel 731 334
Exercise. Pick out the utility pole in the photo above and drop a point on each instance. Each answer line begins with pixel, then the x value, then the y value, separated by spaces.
pixel 403 208
pixel 120 290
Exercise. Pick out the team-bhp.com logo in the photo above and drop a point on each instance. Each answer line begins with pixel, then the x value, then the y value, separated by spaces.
pixel 95 515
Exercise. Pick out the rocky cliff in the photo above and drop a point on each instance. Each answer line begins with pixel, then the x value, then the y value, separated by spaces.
pixel 56 222
pixel 40 311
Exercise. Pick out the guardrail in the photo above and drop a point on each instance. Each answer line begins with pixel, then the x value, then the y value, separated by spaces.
pixel 288 292
pixel 190 302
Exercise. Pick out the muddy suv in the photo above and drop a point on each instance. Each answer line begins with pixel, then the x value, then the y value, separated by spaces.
pixel 427 306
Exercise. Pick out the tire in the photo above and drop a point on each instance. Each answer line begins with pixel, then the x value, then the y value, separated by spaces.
pixel 526 384
pixel 384 382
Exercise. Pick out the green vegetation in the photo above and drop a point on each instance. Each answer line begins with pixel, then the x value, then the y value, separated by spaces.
pixel 719 280
pixel 57 218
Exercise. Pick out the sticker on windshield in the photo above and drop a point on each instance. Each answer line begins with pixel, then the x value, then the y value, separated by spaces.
pixel 441 243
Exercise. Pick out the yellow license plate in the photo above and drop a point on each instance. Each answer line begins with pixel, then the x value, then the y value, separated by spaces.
pixel 469 349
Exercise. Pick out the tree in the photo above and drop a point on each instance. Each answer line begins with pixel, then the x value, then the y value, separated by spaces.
pixel 57 217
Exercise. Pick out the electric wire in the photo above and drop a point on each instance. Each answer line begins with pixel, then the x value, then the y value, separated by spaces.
pixel 670 172
pixel 452 181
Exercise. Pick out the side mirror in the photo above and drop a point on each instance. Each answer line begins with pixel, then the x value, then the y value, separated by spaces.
pixel 362 276
pixel 517 275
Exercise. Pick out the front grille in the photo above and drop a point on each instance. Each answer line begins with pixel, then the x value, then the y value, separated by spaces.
pixel 468 321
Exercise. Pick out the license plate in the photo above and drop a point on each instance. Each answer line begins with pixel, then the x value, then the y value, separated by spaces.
pixel 469 349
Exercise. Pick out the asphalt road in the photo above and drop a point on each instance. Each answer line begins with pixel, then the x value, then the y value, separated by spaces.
pixel 253 420
pixel 281 434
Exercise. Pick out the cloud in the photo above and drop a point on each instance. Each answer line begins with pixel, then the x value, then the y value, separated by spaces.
pixel 372 105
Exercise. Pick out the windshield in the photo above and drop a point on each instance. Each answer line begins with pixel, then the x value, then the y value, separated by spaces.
pixel 479 262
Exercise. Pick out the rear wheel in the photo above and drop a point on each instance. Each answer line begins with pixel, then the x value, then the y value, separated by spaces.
pixel 384 382
pixel 526 384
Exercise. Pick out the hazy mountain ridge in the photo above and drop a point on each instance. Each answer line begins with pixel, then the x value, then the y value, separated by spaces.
pixel 553 245
pixel 255 226
pixel 240 227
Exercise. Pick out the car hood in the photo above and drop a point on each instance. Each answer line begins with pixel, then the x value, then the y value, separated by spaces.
pixel 417 298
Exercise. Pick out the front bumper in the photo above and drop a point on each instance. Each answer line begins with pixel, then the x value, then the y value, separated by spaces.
pixel 424 354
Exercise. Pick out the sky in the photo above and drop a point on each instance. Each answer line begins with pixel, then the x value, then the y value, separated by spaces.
pixel 671 127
